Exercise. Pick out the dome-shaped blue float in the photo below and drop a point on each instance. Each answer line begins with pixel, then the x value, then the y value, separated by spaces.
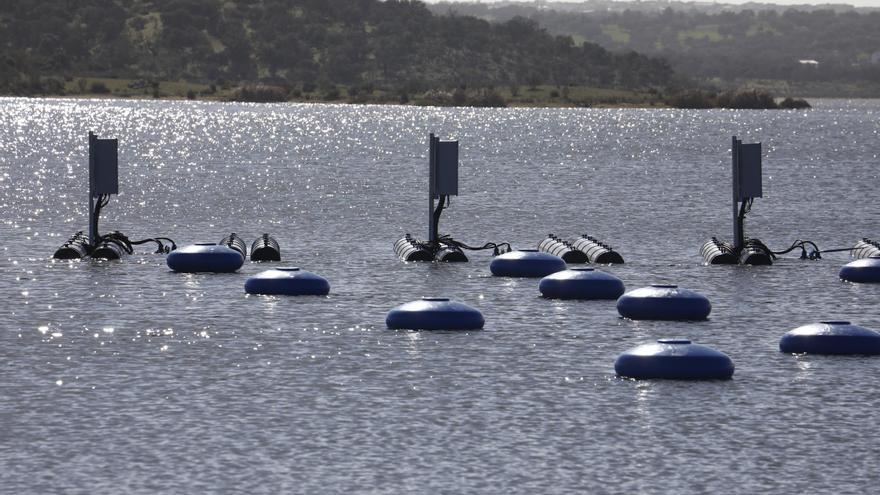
pixel 674 359
pixel 287 282
pixel 204 257
pixel 865 271
pixel 526 263
pixel 831 337
pixel 663 302
pixel 581 283
pixel 434 313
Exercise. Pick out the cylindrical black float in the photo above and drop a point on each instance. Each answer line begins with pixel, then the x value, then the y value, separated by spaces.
pixel 716 252
pixel 596 251
pixel 265 248
pixel 866 248
pixel 235 242
pixel 450 253
pixel 561 248
pixel 754 252
pixel 409 249
pixel 74 248
pixel 108 250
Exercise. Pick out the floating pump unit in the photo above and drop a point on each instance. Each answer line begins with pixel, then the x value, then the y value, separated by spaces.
pixel 103 182
pixel 584 249
pixel 442 184
pixel 746 187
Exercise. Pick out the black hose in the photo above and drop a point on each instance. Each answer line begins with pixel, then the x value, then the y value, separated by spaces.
pixel 447 239
pixel 495 247
pixel 121 239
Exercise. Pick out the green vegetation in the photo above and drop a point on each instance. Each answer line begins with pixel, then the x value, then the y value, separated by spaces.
pixel 615 33
pixel 709 33
pixel 750 99
pixel 305 50
pixel 731 44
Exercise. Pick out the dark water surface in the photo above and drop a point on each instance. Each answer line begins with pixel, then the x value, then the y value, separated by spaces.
pixel 123 377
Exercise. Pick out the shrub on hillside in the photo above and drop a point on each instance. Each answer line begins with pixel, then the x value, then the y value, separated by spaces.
pixel 752 99
pixel 794 103
pixel 259 93
pixel 691 99
pixel 98 88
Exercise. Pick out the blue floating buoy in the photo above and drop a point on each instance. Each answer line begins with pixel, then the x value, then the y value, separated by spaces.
pixel 663 302
pixel 831 337
pixel 865 270
pixel 204 257
pixel 287 282
pixel 434 313
pixel 526 263
pixel 674 359
pixel 581 283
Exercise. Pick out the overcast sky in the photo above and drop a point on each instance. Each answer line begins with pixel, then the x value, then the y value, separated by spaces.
pixel 857 3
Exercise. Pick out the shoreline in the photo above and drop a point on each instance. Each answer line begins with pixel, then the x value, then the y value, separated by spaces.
pixel 318 101
pixel 610 106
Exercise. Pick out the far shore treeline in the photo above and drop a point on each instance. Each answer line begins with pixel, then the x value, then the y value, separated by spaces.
pixel 362 51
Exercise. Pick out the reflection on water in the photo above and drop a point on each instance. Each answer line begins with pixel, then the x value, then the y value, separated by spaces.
pixel 118 376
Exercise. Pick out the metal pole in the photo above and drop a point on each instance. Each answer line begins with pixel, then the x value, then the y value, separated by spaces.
pixel 432 152
pixel 92 234
pixel 738 237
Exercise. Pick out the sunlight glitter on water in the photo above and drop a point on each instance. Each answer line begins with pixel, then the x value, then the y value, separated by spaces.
pixel 193 368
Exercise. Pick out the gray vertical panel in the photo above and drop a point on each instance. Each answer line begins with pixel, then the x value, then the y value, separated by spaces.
pixel 446 169
pixel 105 179
pixel 750 171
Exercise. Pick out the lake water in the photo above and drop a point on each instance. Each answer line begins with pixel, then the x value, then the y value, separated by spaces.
pixel 123 377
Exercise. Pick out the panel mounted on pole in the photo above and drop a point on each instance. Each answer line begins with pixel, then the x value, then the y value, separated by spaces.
pixel 104 166
pixel 445 169
pixel 748 177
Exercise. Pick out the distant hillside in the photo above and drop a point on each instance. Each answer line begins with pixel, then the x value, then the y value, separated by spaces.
pixel 838 46
pixel 647 6
pixel 394 44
